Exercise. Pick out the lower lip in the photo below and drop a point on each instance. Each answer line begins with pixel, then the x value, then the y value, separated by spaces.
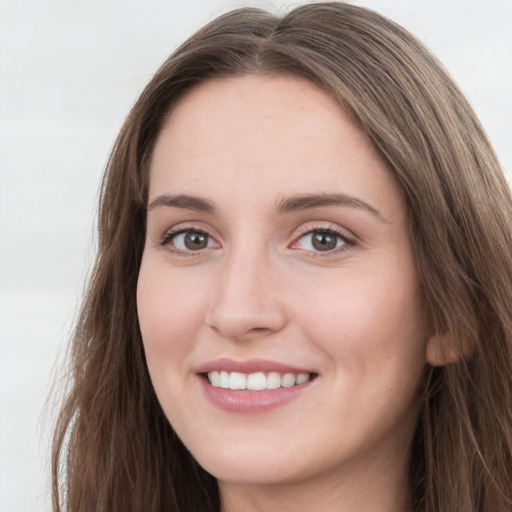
pixel 251 402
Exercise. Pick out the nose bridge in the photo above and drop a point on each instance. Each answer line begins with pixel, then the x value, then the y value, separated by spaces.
pixel 246 295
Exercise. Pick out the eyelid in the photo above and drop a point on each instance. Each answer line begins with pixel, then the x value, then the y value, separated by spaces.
pixel 308 227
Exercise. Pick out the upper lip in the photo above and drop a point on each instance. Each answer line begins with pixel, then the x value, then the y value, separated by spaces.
pixel 249 366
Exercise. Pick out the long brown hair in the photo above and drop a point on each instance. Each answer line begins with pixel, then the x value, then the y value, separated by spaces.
pixel 115 451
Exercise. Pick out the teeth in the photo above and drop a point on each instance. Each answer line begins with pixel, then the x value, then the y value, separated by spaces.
pixel 273 380
pixel 224 380
pixel 237 380
pixel 214 379
pixel 256 381
pixel 288 380
pixel 301 378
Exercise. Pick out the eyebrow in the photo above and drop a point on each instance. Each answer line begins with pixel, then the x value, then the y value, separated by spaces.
pixel 288 205
pixel 305 202
pixel 182 201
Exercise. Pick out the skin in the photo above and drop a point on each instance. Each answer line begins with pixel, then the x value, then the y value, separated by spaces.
pixel 260 289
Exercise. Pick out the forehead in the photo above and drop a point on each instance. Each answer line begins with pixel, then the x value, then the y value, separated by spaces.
pixel 263 135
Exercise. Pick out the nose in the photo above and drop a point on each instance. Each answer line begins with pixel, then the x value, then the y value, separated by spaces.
pixel 247 298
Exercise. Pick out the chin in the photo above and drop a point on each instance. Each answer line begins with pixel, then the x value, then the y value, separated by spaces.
pixel 251 467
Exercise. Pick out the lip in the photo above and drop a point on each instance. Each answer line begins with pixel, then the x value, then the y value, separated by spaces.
pixel 246 401
pixel 249 366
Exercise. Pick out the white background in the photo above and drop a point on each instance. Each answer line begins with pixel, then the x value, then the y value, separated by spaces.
pixel 69 72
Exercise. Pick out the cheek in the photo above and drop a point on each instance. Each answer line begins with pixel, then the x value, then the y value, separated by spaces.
pixel 169 311
pixel 170 315
pixel 369 326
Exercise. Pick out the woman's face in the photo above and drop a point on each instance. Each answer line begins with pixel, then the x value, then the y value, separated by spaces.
pixel 277 257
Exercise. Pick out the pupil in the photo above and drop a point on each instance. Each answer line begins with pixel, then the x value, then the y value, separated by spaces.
pixel 195 241
pixel 324 241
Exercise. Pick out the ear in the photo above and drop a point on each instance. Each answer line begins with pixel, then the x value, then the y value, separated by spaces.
pixel 443 349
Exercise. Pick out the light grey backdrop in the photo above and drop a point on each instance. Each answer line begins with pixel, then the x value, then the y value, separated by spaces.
pixel 69 72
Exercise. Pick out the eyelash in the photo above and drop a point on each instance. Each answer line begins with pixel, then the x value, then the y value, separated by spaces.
pixel 347 242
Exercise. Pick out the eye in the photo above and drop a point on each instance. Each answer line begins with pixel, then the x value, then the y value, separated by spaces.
pixel 188 240
pixel 321 240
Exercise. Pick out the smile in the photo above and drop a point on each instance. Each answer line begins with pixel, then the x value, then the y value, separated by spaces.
pixel 257 381
pixel 253 386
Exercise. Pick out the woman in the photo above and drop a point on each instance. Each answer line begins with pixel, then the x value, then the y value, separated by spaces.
pixel 302 294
